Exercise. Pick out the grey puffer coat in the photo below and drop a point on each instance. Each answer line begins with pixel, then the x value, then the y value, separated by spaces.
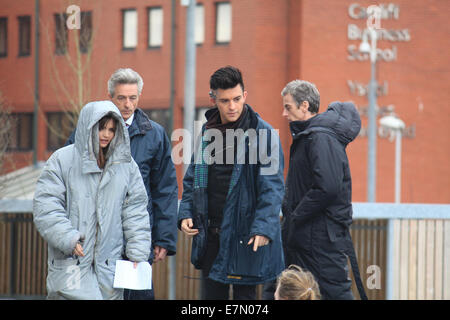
pixel 106 210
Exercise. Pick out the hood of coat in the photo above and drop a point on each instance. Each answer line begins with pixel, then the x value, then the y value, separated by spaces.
pixel 342 118
pixel 87 138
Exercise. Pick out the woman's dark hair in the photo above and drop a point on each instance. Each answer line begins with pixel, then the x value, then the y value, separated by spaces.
pixel 103 121
pixel 101 161
pixel 226 78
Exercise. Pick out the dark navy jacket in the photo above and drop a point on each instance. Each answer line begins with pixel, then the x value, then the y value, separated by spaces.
pixel 151 149
pixel 252 208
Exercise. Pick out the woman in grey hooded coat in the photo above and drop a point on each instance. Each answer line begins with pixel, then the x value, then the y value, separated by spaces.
pixel 91 215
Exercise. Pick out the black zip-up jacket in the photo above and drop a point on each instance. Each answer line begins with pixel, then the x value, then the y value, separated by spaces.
pixel 319 181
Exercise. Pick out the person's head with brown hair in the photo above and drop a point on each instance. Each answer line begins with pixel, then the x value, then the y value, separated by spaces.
pixel 296 284
pixel 107 130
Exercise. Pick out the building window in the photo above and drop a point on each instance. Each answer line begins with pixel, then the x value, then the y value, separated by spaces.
pixel 223 22
pixel 129 21
pixel 24 35
pixel 161 116
pixel 155 27
pixel 3 37
pixel 21 133
pixel 59 127
pixel 85 31
pixel 60 33
pixel 199 24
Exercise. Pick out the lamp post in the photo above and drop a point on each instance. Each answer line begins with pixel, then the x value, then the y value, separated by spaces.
pixel 189 77
pixel 396 126
pixel 371 49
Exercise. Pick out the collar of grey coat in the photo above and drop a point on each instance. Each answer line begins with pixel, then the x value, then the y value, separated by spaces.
pixel 86 142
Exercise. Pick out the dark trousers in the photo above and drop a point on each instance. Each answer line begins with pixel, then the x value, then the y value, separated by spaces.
pixel 269 289
pixel 214 290
pixel 325 259
pixel 139 294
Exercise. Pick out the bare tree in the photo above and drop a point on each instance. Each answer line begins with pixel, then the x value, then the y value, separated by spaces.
pixel 70 57
pixel 7 123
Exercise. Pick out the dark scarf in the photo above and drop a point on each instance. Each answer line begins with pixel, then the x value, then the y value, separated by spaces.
pixel 219 175
pixel 243 122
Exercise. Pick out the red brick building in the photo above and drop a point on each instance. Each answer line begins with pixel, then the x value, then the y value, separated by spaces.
pixel 272 42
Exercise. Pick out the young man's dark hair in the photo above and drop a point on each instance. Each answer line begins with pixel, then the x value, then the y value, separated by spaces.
pixel 226 78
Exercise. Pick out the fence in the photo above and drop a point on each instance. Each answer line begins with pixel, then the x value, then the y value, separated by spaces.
pixel 23 257
pixel 417 247
pixel 420 259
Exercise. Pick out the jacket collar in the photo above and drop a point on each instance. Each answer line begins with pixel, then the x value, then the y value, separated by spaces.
pixel 341 119
pixel 299 127
pixel 140 125
pixel 252 115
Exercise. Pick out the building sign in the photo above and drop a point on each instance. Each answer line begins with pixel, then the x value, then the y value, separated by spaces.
pixel 356 32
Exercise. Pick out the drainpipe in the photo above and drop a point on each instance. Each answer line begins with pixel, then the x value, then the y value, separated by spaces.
pixel 36 82
pixel 172 265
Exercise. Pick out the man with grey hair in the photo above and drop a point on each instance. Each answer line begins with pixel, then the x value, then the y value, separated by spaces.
pixel 151 149
pixel 317 208
pixel 301 100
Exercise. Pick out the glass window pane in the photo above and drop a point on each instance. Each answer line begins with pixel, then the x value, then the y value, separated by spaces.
pixel 155 25
pixel 223 22
pixel 60 33
pixel 52 131
pixel 21 132
pixel 14 136
pixel 3 37
pixel 161 116
pixel 199 24
pixel 24 35
pixel 26 126
pixel 85 31
pixel 60 126
pixel 129 29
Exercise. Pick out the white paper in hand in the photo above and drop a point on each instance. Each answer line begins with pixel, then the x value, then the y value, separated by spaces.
pixel 126 276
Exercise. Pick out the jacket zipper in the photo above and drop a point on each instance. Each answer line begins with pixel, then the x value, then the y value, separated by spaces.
pixel 97 219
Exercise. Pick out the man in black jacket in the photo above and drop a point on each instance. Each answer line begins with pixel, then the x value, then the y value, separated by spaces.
pixel 317 206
